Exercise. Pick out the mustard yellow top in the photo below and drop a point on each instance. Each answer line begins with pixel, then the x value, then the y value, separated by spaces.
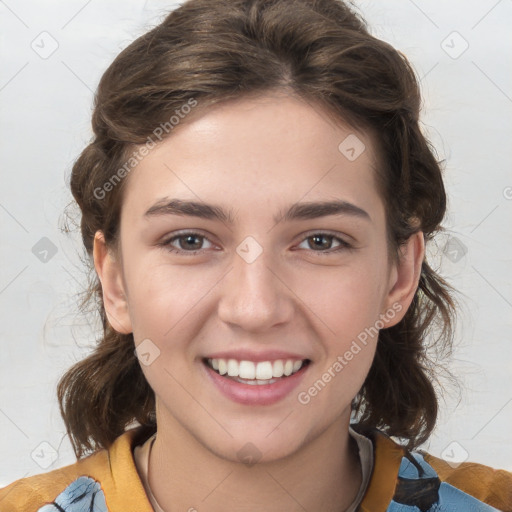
pixel 109 480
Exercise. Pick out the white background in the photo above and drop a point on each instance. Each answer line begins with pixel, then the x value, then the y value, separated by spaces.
pixel 45 107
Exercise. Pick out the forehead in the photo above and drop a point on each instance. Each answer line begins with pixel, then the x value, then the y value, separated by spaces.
pixel 260 151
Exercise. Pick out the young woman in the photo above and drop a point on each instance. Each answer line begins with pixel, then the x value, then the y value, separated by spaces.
pixel 256 202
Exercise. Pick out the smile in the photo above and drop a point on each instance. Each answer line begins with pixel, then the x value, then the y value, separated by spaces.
pixel 256 373
pixel 255 383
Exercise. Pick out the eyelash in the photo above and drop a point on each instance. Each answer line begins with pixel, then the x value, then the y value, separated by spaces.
pixel 344 246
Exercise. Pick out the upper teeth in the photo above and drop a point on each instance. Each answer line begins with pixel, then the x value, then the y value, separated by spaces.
pixel 263 370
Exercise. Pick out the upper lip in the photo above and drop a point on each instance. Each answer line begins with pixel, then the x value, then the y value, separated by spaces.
pixel 249 355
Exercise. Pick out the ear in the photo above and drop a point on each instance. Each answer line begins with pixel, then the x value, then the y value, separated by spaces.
pixel 404 279
pixel 110 274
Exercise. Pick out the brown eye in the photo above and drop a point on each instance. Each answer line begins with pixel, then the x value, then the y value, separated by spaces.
pixel 322 243
pixel 185 243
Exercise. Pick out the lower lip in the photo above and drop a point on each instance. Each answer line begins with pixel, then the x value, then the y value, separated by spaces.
pixel 256 394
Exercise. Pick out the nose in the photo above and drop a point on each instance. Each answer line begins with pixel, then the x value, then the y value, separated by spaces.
pixel 255 296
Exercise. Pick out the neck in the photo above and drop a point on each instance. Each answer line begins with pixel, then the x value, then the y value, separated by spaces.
pixel 324 474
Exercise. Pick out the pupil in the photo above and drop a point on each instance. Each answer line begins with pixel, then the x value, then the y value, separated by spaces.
pixel 320 237
pixel 191 237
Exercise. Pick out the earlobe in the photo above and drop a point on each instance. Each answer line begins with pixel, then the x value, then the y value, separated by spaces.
pixel 405 277
pixel 110 274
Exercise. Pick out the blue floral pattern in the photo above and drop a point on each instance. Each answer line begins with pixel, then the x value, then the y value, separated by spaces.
pixel 83 495
pixel 420 489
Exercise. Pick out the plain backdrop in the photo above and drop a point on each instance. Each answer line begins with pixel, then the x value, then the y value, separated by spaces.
pixel 52 57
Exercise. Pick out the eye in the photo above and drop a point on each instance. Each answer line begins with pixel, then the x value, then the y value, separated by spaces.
pixel 323 241
pixel 185 241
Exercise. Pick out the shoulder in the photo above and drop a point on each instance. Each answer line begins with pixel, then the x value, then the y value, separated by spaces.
pixel 492 486
pixel 411 481
pixel 58 486
pixel 104 477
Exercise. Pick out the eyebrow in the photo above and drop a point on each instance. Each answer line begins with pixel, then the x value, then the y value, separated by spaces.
pixel 297 211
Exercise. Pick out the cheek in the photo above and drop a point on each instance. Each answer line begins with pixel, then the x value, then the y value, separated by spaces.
pixel 346 306
pixel 345 300
pixel 162 296
pixel 349 338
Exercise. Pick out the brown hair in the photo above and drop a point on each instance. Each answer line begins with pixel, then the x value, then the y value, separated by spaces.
pixel 217 50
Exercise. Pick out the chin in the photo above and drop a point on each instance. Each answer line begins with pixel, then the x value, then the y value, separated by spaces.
pixel 255 450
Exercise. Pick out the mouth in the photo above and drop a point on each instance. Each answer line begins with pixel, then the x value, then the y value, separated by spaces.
pixel 254 373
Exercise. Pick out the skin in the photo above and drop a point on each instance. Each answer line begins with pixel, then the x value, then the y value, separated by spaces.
pixel 257 157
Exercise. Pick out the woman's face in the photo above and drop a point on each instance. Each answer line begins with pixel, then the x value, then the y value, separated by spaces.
pixel 263 274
